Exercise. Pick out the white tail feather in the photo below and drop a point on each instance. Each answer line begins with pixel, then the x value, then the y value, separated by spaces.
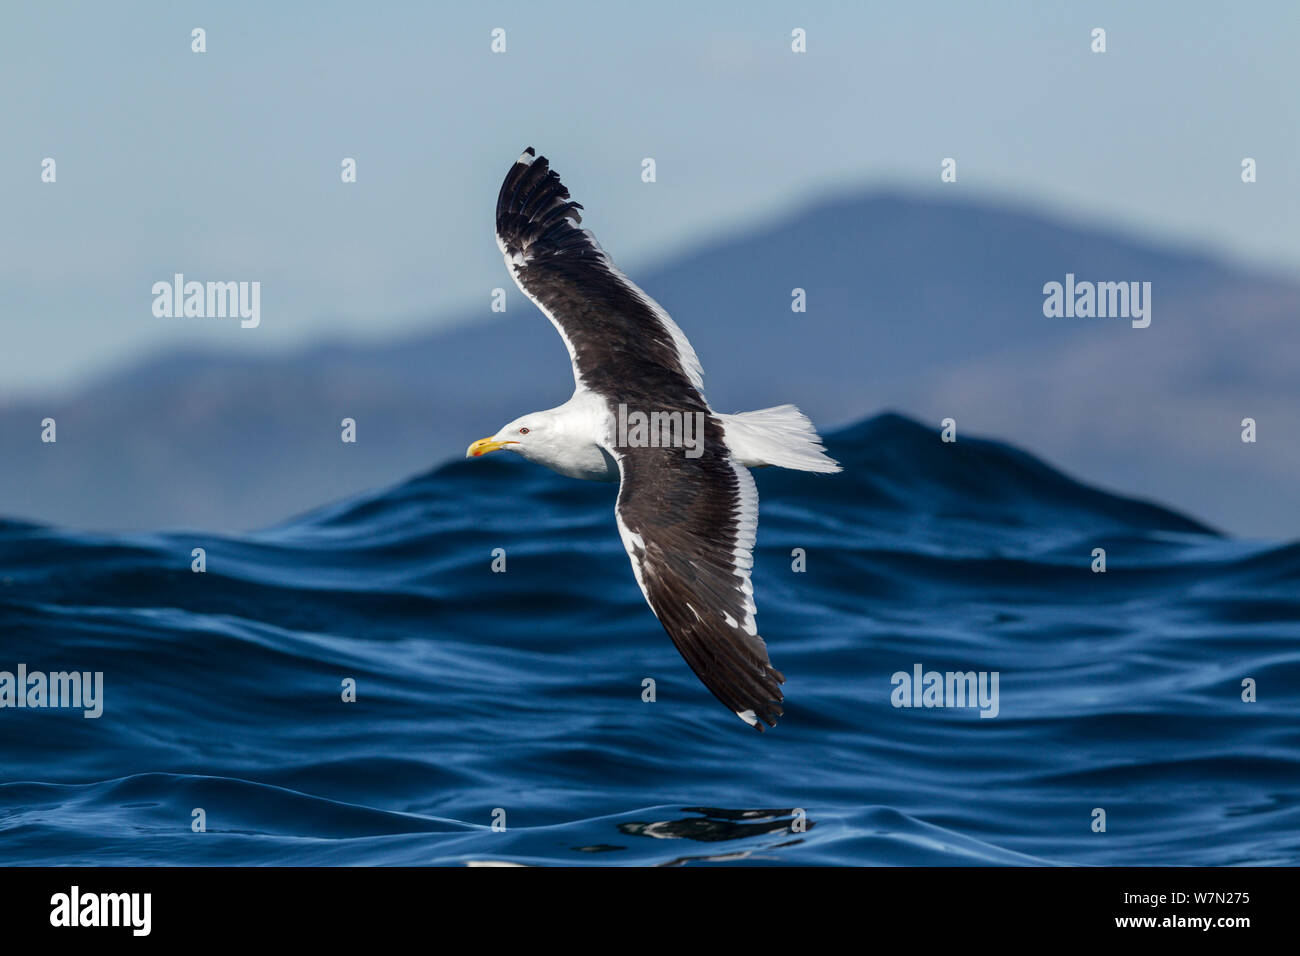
pixel 781 436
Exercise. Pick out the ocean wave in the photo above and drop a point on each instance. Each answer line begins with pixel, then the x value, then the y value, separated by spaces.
pixel 517 696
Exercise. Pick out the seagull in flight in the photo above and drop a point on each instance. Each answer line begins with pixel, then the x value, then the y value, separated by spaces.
pixel 687 508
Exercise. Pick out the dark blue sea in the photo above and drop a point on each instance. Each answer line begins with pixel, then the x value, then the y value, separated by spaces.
pixel 521 692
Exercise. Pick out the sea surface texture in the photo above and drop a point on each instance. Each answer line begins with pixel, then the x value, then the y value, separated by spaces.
pixel 517 697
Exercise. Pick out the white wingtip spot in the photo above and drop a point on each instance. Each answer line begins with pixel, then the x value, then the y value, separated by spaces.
pixel 748 717
pixel 525 159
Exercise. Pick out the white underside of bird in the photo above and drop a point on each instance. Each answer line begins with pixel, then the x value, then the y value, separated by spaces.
pixel 577 439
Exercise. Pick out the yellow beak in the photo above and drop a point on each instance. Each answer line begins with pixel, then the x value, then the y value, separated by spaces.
pixel 485 445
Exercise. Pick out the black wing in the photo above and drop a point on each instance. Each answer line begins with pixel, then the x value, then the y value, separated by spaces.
pixel 614 332
pixel 688 525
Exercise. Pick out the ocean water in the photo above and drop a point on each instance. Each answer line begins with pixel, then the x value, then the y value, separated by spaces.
pixel 519 694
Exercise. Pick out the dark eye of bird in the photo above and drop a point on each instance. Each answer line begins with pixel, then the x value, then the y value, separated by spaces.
pixel 523 431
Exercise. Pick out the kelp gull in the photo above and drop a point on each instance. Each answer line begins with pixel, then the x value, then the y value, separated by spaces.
pixel 687 515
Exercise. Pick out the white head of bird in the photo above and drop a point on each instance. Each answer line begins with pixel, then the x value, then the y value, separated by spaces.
pixel 559 438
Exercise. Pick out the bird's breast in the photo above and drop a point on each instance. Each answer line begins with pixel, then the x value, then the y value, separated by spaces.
pixel 589 462
pixel 595 464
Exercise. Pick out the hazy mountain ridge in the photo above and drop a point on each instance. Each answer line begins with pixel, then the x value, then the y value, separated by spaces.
pixel 929 306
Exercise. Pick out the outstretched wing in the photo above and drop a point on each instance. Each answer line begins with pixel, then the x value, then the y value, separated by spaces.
pixel 688 525
pixel 610 327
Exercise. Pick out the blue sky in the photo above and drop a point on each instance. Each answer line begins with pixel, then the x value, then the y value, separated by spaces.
pixel 225 165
